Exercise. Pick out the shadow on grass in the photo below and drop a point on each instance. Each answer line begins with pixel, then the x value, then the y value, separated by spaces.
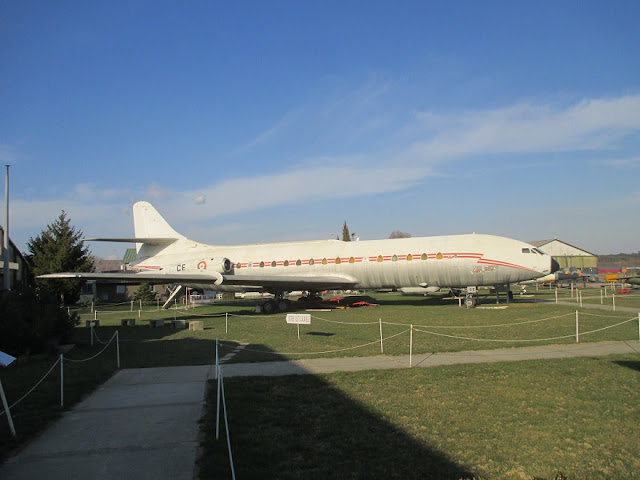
pixel 301 427
pixel 633 365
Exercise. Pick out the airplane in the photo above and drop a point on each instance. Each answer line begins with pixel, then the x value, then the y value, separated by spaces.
pixel 456 261
pixel 618 278
pixel 567 275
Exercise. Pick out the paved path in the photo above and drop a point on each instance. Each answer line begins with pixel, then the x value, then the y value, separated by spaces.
pixel 328 365
pixel 143 423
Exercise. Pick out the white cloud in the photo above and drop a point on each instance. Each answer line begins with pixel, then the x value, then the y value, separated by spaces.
pixel 526 128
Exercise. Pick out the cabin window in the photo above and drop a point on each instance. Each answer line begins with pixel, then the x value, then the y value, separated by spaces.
pixel 286 263
pixel 409 257
pixel 394 258
pixel 380 258
pixel 439 256
pixel 298 263
pixel 338 260
pixel 352 260
pixel 526 250
pixel 424 256
pixel 311 262
pixel 324 261
pixel 238 265
pixel 261 264
pixel 273 264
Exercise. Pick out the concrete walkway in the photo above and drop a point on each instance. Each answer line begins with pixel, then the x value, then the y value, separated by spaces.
pixel 382 362
pixel 143 423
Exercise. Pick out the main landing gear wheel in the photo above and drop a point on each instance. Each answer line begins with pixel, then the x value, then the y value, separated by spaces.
pixel 269 307
pixel 283 305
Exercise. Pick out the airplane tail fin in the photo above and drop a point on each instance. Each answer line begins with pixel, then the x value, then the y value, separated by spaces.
pixel 152 229
pixel 148 223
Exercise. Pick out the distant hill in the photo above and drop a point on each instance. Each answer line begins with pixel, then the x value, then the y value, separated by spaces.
pixel 619 260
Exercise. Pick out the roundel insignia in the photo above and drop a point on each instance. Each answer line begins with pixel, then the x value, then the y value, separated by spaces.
pixel 202 265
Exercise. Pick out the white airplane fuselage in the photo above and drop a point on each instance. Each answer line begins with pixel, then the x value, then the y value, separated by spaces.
pixel 456 261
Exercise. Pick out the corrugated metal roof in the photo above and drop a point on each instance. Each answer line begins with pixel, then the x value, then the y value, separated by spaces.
pixel 129 256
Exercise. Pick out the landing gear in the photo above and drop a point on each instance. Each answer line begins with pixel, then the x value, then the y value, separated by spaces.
pixel 277 304
pixel 470 301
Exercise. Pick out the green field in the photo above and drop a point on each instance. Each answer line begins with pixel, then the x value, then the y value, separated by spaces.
pixel 439 326
pixel 523 420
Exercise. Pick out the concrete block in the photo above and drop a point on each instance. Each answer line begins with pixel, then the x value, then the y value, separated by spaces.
pixel 156 323
pixel 196 325
pixel 179 324
pixel 128 322
pixel 94 323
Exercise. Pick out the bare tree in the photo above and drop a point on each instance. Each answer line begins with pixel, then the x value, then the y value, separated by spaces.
pixel 399 234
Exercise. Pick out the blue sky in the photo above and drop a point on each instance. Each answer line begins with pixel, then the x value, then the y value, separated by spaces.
pixel 251 121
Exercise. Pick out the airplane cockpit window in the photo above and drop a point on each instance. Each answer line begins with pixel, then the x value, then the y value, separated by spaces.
pixel 538 251
pixel 526 250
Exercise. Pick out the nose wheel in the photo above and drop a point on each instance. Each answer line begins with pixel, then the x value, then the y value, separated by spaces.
pixel 470 301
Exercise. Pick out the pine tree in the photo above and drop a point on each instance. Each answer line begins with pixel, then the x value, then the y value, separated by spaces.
pixel 346 236
pixel 60 248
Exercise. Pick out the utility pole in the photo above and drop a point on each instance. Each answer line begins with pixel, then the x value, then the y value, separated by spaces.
pixel 5 246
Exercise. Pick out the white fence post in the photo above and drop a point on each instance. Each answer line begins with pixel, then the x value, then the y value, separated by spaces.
pixel 218 374
pixel 226 322
pixel 118 347
pixel 577 327
pixel 91 333
pixel 381 345
pixel 580 298
pixel 132 305
pixel 411 347
pixel 6 409
pixel 61 381
pixel 613 296
pixel 556 295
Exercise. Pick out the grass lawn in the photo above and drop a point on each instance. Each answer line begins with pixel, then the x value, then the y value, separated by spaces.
pixel 440 326
pixel 523 420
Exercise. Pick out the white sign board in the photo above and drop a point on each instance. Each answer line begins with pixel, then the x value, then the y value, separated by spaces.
pixel 299 318
pixel 6 359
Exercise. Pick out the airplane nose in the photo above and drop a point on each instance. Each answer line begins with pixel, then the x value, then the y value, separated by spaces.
pixel 555 266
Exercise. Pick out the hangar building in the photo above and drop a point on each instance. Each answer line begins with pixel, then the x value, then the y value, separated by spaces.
pixel 569 256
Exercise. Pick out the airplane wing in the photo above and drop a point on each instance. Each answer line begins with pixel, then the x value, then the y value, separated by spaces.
pixel 148 241
pixel 250 282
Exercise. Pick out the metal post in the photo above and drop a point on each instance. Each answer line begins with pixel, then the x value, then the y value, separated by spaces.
pixel 91 332
pixel 61 381
pixel 118 347
pixel 411 347
pixel 218 375
pixel 601 299
pixel 6 409
pixel 298 325
pixel 580 294
pixel 381 345
pixel 556 295
pixel 226 322
pixel 5 246
pixel 613 296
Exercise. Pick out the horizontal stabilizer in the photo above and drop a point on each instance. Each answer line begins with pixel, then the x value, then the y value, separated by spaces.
pixel 148 241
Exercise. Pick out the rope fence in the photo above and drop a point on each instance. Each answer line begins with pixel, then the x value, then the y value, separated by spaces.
pixel 60 361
